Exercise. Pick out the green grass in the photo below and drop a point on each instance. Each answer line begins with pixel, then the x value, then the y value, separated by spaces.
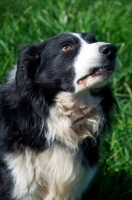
pixel 26 22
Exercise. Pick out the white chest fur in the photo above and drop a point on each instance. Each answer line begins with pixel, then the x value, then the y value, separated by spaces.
pixel 71 120
pixel 54 174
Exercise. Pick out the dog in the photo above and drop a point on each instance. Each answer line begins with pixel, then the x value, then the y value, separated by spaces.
pixel 54 108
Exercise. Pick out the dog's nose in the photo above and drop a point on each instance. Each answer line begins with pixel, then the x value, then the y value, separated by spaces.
pixel 108 50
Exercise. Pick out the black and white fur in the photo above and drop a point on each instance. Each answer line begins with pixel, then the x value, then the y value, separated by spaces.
pixel 53 111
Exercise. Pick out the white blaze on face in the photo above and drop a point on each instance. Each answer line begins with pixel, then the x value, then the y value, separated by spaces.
pixel 87 59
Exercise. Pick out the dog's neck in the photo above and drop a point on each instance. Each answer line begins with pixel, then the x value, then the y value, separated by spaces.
pixel 74 118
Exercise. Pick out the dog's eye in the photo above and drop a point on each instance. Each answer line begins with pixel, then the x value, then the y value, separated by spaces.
pixel 66 47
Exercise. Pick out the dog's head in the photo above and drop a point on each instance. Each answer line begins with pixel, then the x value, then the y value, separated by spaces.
pixel 69 62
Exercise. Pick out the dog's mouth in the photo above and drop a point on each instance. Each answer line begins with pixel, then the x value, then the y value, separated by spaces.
pixel 103 72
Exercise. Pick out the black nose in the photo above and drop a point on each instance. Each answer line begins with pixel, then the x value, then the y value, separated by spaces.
pixel 108 50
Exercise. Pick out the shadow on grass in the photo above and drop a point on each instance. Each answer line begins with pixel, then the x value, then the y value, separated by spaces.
pixel 117 186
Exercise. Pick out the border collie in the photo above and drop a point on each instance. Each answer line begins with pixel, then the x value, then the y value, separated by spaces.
pixel 54 109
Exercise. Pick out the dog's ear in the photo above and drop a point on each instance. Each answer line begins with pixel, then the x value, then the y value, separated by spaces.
pixel 28 64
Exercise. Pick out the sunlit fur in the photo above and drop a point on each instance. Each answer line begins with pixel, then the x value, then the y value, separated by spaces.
pixel 50 126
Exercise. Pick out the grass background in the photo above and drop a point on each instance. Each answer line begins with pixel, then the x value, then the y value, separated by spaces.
pixel 26 22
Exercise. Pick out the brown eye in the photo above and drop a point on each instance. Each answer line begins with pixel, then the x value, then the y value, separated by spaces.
pixel 66 47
